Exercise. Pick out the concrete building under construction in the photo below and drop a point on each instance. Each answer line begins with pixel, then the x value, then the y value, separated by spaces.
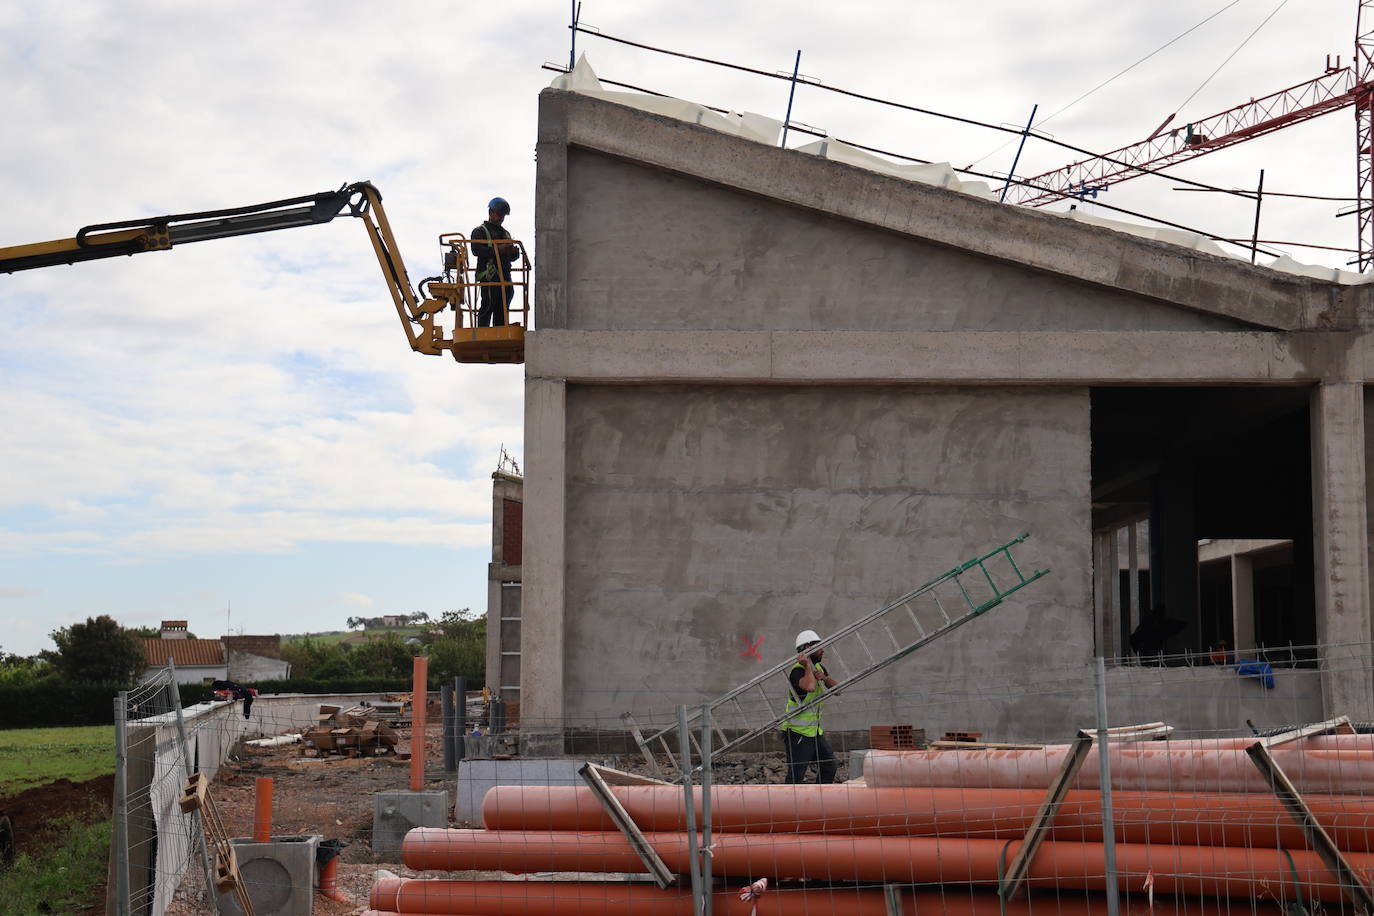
pixel 769 390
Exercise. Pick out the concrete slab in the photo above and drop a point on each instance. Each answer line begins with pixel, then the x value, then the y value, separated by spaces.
pixel 396 813
pixel 476 777
pixel 279 875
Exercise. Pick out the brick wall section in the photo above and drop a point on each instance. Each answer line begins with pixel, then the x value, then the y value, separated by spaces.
pixel 512 517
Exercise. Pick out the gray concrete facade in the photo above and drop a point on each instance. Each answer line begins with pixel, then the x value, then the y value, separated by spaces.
pixel 768 391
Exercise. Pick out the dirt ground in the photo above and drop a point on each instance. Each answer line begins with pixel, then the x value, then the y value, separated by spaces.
pixel 333 796
pixel 330 796
pixel 34 811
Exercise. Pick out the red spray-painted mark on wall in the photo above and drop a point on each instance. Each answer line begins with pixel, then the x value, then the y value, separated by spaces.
pixel 751 649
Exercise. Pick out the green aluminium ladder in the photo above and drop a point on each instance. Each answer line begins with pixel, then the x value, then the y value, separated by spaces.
pixel 875 641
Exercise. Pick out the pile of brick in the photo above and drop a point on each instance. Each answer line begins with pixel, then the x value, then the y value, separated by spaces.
pixel 348 733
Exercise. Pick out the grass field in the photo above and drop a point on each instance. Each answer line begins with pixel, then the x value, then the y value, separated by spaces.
pixel 61 876
pixel 32 757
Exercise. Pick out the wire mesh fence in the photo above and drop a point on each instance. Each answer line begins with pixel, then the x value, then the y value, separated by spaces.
pixel 939 785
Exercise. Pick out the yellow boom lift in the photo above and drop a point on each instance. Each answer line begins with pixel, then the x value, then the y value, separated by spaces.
pixel 456 288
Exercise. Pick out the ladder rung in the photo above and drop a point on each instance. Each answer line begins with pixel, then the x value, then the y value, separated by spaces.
pixel 941 606
pixel 767 702
pixel 863 645
pixel 911 612
pixel 892 636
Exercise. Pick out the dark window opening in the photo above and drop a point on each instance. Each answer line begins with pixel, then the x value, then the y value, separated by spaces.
pixel 1216 486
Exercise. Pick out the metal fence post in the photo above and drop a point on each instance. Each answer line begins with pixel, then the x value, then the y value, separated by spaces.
pixel 1104 775
pixel 706 777
pixel 460 717
pixel 446 713
pixel 121 805
pixel 685 734
pixel 174 689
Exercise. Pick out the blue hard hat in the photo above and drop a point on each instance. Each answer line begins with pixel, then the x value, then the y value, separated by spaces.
pixel 499 205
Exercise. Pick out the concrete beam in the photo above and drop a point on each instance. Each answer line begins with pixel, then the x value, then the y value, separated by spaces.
pixel 1340 545
pixel 1039 240
pixel 1038 357
pixel 543 546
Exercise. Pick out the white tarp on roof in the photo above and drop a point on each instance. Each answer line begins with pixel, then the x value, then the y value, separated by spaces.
pixel 763 129
pixel 751 126
pixel 939 174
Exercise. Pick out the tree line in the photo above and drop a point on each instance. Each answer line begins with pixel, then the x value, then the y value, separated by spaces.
pixel 100 651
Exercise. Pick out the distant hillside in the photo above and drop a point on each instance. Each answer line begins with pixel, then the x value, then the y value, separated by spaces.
pixel 357 636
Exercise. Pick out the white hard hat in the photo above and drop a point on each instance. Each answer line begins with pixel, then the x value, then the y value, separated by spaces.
pixel 806 637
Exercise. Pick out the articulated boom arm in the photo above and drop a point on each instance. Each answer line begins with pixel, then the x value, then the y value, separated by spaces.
pixel 361 199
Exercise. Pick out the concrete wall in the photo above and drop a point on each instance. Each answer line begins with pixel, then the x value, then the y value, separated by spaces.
pixel 699 518
pixel 768 391
pixel 652 250
pixel 245 667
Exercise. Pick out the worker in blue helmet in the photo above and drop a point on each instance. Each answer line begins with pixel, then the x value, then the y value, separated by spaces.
pixel 496 254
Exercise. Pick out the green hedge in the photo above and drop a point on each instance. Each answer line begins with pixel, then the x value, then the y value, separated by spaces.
pixel 55 703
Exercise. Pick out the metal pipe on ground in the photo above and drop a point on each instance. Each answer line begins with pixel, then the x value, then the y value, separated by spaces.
pixel 1201 871
pixel 1141 817
pixel 412 897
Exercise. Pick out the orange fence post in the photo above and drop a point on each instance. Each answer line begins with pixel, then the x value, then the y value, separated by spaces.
pixel 262 810
pixel 418 701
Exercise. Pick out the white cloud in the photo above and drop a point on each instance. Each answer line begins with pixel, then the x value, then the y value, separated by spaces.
pixel 17 591
pixel 356 599
pixel 255 395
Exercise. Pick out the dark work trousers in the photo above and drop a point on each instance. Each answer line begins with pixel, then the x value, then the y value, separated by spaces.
pixel 492 314
pixel 803 752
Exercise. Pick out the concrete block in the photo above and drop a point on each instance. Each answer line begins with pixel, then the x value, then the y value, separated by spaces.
pixel 279 876
pixel 396 813
pixel 476 777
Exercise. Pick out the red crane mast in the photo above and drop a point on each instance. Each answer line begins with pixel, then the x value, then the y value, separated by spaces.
pixel 1337 88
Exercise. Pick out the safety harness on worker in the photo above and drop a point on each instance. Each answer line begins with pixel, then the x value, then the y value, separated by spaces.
pixel 807 722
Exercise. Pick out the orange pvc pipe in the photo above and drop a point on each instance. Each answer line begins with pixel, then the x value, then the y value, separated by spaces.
pixel 262 810
pixel 1212 871
pixel 1140 817
pixel 410 897
pixel 329 881
pixel 419 702
pixel 1144 768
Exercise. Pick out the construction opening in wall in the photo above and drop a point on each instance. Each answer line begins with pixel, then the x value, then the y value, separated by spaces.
pixel 1202 524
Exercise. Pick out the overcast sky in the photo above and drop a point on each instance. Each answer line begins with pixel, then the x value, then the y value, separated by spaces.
pixel 241 424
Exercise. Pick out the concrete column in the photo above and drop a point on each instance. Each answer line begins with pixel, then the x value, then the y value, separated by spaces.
pixel 541 627
pixel 1242 602
pixel 494 628
pixel 1340 545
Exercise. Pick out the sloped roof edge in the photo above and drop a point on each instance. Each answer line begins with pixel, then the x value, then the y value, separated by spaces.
pixel 1077 249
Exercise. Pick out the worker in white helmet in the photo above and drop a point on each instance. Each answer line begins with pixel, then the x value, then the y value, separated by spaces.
pixel 801 730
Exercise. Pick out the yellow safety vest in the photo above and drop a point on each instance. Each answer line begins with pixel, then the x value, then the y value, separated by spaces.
pixel 808 721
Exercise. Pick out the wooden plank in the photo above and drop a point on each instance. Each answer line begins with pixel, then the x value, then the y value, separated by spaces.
pixel 661 874
pixel 982 746
pixel 614 777
pixel 1317 837
pixel 1040 825
pixel 644 748
pixel 1149 731
pixel 1339 725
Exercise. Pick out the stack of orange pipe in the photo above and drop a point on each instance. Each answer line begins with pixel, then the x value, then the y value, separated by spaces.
pixel 1218 851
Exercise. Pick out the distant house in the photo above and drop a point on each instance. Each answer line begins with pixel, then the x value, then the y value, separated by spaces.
pixel 395 620
pixel 234 658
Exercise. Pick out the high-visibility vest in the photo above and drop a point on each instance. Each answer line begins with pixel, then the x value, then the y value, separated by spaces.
pixel 808 721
